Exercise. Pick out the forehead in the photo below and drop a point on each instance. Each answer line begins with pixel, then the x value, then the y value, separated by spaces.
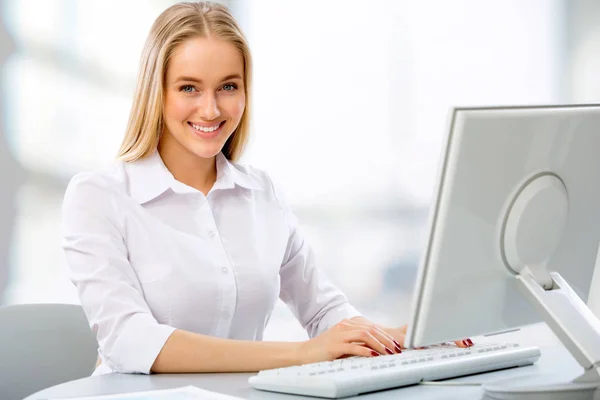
pixel 206 59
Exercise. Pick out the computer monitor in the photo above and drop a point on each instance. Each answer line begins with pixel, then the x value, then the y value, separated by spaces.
pixel 514 228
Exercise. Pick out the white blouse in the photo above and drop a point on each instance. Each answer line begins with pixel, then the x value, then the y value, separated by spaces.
pixel 149 254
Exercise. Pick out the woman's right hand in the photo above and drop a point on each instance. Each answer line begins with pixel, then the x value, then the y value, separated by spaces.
pixel 347 338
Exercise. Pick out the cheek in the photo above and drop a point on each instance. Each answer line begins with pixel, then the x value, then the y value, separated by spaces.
pixel 177 109
pixel 236 107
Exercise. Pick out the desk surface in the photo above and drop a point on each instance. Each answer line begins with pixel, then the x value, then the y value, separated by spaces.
pixel 554 360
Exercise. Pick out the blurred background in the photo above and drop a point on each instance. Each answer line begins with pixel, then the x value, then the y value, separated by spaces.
pixel 350 108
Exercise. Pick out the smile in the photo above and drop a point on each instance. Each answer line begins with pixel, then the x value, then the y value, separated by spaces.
pixel 206 128
pixel 207 131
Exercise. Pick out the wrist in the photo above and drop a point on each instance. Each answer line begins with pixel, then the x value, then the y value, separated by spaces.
pixel 295 353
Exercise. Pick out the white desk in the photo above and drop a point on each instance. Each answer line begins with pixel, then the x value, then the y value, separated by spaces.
pixel 554 360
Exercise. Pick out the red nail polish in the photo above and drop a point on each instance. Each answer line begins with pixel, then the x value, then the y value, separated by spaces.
pixel 465 343
pixel 389 351
pixel 470 342
pixel 397 344
pixel 374 353
pixel 398 349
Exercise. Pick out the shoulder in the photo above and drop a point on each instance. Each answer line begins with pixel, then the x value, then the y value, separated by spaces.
pixel 258 175
pixel 258 178
pixel 268 187
pixel 96 186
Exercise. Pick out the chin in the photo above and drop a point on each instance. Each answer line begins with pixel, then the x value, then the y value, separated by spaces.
pixel 206 150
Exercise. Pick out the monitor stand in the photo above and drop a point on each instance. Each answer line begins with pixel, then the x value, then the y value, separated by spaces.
pixel 575 326
pixel 532 229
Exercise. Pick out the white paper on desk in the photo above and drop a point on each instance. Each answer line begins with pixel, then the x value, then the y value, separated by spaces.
pixel 182 393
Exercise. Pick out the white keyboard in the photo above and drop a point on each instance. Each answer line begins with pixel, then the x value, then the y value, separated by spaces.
pixel 356 375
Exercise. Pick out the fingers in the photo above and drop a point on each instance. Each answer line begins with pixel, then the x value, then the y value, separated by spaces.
pixel 464 343
pixel 391 346
pixel 368 339
pixel 397 335
pixel 400 339
pixel 352 349
pixel 385 338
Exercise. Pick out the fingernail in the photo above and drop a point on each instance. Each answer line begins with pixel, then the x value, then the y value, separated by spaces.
pixel 374 353
pixel 398 349
pixel 397 344
pixel 465 343
pixel 470 342
pixel 389 351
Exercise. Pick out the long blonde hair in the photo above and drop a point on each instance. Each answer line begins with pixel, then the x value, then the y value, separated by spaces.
pixel 173 26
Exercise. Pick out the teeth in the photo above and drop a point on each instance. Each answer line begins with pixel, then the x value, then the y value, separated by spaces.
pixel 203 129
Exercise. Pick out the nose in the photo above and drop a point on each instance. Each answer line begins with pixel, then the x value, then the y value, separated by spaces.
pixel 209 107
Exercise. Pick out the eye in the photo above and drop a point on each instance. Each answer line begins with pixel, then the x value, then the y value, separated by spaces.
pixel 187 89
pixel 229 87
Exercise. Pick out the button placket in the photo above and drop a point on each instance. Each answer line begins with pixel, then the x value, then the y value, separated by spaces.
pixel 228 284
pixel 229 298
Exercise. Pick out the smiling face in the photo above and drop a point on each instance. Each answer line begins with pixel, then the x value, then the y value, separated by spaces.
pixel 204 97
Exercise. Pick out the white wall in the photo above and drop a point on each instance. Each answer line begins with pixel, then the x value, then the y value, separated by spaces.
pixel 352 96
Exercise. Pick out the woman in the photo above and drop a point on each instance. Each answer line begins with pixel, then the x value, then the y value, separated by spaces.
pixel 178 253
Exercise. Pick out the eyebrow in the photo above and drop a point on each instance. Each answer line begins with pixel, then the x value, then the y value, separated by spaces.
pixel 190 79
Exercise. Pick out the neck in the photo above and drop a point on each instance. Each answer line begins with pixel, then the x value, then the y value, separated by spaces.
pixel 190 169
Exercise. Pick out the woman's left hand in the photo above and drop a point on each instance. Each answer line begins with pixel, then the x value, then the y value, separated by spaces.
pixel 398 334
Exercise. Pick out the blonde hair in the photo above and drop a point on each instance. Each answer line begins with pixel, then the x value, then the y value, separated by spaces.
pixel 173 26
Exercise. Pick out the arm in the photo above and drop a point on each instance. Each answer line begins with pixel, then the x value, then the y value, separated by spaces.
pixel 324 311
pixel 313 299
pixel 307 291
pixel 129 338
pixel 190 352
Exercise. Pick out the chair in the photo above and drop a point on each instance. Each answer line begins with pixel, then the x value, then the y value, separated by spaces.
pixel 43 345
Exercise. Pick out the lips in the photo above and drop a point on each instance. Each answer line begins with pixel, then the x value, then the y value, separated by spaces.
pixel 207 131
pixel 206 128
